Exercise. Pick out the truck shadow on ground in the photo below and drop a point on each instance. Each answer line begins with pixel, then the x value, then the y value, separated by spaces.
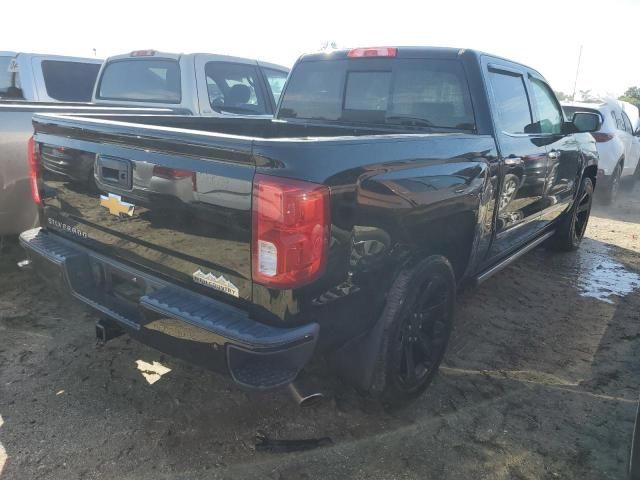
pixel 540 381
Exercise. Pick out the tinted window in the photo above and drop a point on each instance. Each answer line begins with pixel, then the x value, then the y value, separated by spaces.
pixel 234 87
pixel 314 91
pixel 5 75
pixel 69 81
pixel 141 80
pixel 9 80
pixel 550 116
pixel 512 103
pixel 421 92
pixel 276 80
pixel 367 91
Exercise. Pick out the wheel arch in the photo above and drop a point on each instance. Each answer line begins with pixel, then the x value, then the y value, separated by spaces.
pixel 452 236
pixel 592 172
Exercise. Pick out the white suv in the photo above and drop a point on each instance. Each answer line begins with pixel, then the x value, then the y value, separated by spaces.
pixel 618 147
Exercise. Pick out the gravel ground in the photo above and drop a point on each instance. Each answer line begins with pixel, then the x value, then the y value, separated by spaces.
pixel 540 382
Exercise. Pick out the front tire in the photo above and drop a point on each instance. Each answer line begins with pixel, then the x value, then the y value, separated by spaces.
pixel 418 319
pixel 573 225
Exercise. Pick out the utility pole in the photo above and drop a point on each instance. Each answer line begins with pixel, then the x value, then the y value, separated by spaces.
pixel 575 82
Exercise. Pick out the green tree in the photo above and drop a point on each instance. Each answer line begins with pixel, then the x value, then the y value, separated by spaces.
pixel 563 97
pixel 631 95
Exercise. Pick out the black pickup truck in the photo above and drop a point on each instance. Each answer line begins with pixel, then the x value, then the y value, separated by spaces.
pixel 344 226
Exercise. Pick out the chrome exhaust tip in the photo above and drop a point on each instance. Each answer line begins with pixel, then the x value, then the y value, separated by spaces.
pixel 304 397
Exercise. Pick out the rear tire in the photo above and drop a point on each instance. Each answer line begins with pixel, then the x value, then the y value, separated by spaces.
pixel 613 188
pixel 418 319
pixel 572 226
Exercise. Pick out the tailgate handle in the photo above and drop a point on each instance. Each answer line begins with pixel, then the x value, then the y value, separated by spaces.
pixel 114 171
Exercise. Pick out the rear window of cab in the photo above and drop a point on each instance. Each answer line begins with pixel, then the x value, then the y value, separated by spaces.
pixel 418 92
pixel 141 80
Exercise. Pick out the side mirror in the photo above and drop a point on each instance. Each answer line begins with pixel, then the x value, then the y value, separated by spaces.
pixel 586 122
pixel 637 132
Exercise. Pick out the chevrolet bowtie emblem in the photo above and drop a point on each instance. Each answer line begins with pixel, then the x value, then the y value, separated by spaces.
pixel 116 206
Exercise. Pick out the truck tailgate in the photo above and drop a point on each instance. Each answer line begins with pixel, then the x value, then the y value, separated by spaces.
pixel 175 206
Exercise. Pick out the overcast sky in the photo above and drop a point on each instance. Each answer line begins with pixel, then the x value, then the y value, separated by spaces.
pixel 545 34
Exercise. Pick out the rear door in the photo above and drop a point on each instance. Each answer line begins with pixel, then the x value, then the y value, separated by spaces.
pixel 522 196
pixel 231 86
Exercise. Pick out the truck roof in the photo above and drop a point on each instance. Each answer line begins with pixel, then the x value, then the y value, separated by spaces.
pixel 150 53
pixel 65 58
pixel 413 52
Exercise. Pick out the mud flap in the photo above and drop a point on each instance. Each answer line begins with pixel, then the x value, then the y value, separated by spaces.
pixel 357 360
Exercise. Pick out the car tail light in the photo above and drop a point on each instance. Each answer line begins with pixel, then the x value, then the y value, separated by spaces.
pixel 143 53
pixel 601 137
pixel 290 231
pixel 171 173
pixel 372 52
pixel 33 157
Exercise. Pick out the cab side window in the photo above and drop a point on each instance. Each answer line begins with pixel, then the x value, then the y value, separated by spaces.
pixel 234 87
pixel 548 109
pixel 276 80
pixel 512 102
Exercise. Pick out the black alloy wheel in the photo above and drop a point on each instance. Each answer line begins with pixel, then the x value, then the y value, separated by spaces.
pixel 424 334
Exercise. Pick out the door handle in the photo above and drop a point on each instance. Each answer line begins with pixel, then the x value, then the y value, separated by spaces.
pixel 513 161
pixel 553 155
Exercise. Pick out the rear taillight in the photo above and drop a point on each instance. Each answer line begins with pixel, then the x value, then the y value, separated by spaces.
pixel 372 52
pixel 170 173
pixel 601 137
pixel 290 231
pixel 33 157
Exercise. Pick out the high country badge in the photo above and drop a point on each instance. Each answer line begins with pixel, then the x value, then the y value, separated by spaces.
pixel 217 283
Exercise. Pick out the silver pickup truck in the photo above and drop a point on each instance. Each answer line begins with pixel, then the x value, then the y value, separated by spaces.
pixel 201 84
pixel 47 78
pixel 147 82
pixel 16 209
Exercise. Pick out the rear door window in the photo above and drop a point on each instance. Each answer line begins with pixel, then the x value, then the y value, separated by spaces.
pixel 69 81
pixel 512 102
pixel 235 88
pixel 416 92
pixel 9 79
pixel 276 80
pixel 627 123
pixel 141 80
pixel 617 120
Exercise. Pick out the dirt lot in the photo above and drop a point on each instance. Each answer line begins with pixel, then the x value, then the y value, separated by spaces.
pixel 541 382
